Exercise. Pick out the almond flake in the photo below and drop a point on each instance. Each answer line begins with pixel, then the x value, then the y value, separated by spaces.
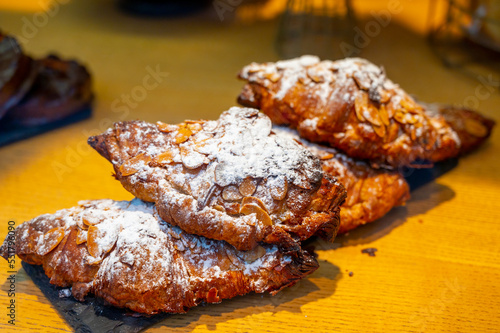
pixel 81 237
pixel 475 128
pixel 231 193
pixel 166 128
pixel 261 214
pixel 254 201
pixel 51 239
pixel 247 187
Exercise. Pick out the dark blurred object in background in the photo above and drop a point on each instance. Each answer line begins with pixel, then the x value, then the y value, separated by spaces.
pixel 38 95
pixel 468 38
pixel 165 8
pixel 322 29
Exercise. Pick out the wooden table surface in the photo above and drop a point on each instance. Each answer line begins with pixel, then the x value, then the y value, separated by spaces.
pixel 437 268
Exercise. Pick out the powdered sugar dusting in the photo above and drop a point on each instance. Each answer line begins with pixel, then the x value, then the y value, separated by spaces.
pixel 147 247
pixel 309 70
pixel 193 159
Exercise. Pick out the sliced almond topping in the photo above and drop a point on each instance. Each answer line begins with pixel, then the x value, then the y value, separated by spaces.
pixel 409 105
pixel 261 214
pixel 232 208
pixel 400 116
pixel 255 201
pixel 194 126
pixel 372 115
pixel 192 159
pixel 174 234
pixel 252 255
pixel 51 239
pixel 475 128
pixel 164 158
pixel 166 128
pixel 93 261
pixel 392 132
pixel 304 80
pixel 129 167
pixel 413 134
pixel 90 219
pixel 183 133
pixel 390 110
pixel 273 77
pixel 81 223
pixel 362 81
pixel 359 105
pixel 385 95
pixel 81 237
pixel 326 157
pixel 100 242
pixel 219 208
pixel 411 119
pixel 278 187
pixel 380 130
pixel 179 246
pixel 235 260
pixel 231 193
pixel 247 187
pixel 315 76
pixel 126 170
pixel 384 116
pixel 92 243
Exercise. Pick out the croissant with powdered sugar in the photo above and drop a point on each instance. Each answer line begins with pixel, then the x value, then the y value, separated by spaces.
pixel 231 179
pixel 371 193
pixel 351 105
pixel 123 253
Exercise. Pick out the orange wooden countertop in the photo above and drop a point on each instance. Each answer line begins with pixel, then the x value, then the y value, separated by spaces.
pixel 437 267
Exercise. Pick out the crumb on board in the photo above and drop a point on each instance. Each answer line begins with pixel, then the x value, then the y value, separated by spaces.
pixel 370 251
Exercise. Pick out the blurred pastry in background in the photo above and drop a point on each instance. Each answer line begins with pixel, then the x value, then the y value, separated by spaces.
pixel 17 73
pixel 61 88
pixel 41 94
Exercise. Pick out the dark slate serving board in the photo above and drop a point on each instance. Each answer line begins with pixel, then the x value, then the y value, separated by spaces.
pixel 91 316
pixel 10 133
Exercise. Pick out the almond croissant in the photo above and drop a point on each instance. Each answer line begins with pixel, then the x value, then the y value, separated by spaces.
pixel 230 179
pixel 124 254
pixel 371 193
pixel 352 106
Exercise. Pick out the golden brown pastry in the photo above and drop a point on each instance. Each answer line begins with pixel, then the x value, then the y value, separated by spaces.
pixel 471 127
pixel 371 193
pixel 352 106
pixel 124 254
pixel 230 179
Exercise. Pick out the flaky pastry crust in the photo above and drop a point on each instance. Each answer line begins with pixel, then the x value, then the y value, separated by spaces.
pixel 471 127
pixel 230 179
pixel 123 253
pixel 371 193
pixel 352 106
